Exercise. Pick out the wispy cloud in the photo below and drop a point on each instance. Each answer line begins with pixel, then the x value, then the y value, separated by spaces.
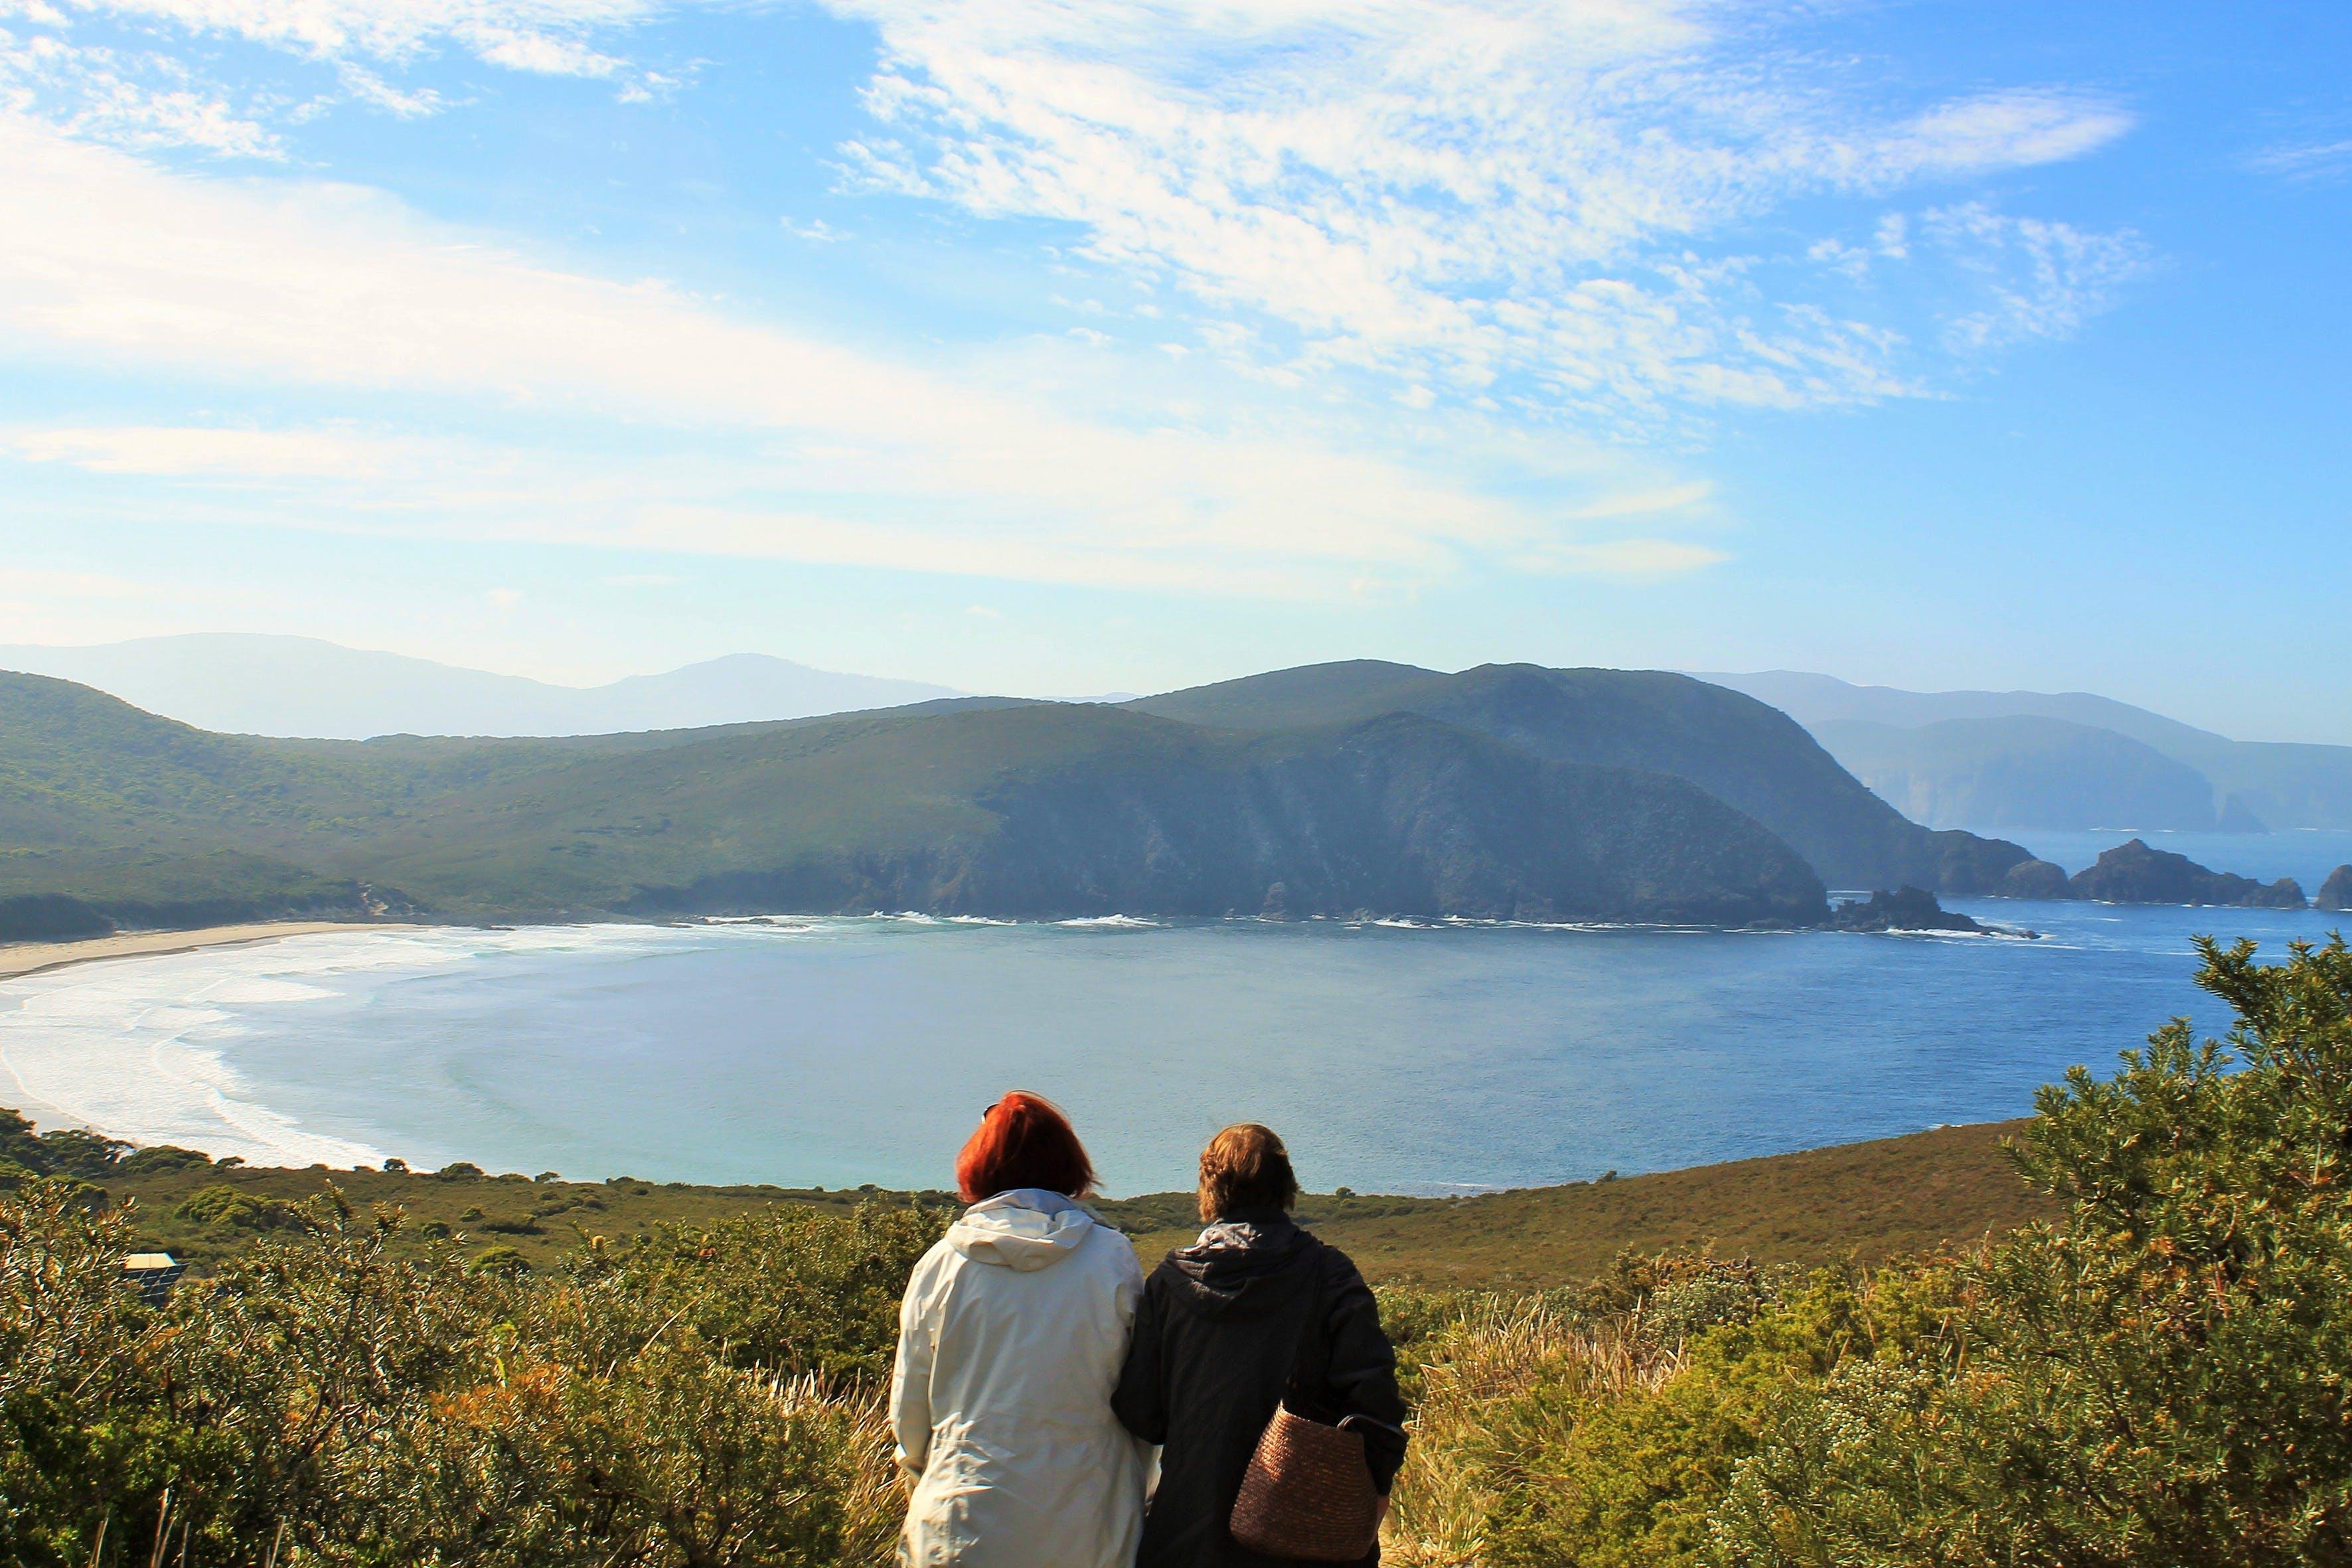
pixel 138 98
pixel 186 451
pixel 2043 278
pixel 1482 199
pixel 155 96
pixel 2320 160
pixel 837 454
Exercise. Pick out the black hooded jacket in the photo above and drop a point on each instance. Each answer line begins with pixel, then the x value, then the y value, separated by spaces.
pixel 1214 1343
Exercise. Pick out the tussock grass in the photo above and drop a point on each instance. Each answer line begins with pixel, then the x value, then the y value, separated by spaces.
pixel 1476 1379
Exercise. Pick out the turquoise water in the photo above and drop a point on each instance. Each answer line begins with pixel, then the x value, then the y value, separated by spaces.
pixel 845 1051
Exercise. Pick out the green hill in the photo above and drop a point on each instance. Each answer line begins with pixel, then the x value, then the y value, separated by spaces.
pixel 1754 758
pixel 994 808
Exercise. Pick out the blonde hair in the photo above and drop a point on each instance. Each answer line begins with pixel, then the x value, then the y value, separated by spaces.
pixel 1245 1166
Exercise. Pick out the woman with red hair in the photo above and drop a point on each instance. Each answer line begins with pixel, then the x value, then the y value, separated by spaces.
pixel 1010 1341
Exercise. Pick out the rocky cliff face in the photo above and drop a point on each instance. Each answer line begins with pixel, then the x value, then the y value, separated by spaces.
pixel 2336 893
pixel 1401 815
pixel 1753 758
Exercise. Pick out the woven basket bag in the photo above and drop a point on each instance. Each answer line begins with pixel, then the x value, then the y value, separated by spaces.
pixel 1307 1492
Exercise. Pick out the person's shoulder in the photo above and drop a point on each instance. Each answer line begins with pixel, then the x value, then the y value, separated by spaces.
pixel 938 1259
pixel 1335 1267
pixel 1108 1248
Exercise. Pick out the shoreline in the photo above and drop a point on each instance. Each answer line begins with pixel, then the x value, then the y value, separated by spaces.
pixel 18 960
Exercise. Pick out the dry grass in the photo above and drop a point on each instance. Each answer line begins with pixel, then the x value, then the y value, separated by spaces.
pixel 875 1505
pixel 1461 1457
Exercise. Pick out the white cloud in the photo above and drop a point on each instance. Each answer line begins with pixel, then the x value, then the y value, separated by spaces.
pixel 137 100
pixel 160 98
pixel 1638 557
pixel 542 54
pixel 2306 160
pixel 201 451
pixel 2043 279
pixel 1465 195
pixel 504 32
pixel 836 455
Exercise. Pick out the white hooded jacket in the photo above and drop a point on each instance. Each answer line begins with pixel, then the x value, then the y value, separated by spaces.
pixel 1009 1342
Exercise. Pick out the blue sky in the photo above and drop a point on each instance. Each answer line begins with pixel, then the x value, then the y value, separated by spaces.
pixel 1061 348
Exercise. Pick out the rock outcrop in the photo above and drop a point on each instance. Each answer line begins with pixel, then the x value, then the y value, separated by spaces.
pixel 1905 909
pixel 2035 879
pixel 2132 873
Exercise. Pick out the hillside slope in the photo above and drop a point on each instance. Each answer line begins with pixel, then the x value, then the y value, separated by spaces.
pixel 1753 758
pixel 1004 809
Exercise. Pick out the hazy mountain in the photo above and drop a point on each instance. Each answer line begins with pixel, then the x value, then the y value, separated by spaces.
pixel 2251 785
pixel 1810 700
pixel 256 685
pixel 1747 754
pixel 979 807
pixel 2020 773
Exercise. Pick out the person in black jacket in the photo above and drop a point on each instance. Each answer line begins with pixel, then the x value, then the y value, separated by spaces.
pixel 1222 1326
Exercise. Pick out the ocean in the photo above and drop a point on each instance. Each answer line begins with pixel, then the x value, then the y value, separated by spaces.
pixel 837 1052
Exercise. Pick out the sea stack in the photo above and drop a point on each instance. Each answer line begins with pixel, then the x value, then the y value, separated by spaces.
pixel 2336 893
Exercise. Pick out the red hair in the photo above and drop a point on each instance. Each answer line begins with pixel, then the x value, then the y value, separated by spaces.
pixel 1024 1142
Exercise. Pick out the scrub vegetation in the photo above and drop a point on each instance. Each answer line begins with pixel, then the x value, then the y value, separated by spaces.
pixel 2154 1371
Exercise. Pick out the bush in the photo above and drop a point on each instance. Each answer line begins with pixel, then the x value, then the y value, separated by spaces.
pixel 784 1290
pixel 352 1406
pixel 2163 1376
pixel 222 1204
pixel 160 1158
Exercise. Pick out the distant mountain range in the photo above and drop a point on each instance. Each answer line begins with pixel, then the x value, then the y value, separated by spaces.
pixel 981 806
pixel 1991 760
pixel 2009 760
pixel 284 686
pixel 1507 792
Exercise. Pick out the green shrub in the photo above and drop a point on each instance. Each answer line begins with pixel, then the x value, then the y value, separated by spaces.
pixel 161 1157
pixel 222 1204
pixel 2166 1374
pixel 355 1405
pixel 2162 1376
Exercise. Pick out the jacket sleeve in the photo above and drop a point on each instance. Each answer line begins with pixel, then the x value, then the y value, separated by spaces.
pixel 1140 1400
pixel 911 1381
pixel 1362 1375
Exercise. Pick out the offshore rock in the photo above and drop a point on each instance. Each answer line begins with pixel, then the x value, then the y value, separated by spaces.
pixel 2035 879
pixel 2336 893
pixel 2132 873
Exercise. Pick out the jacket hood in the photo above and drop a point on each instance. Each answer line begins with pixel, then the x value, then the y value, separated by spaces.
pixel 1023 1230
pixel 1248 1264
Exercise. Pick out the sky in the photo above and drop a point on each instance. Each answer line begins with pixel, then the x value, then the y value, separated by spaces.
pixel 1064 346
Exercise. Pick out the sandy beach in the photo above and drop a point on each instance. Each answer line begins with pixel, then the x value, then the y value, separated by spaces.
pixel 32 957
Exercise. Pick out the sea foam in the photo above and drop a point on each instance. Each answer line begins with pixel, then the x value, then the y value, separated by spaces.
pixel 140 1048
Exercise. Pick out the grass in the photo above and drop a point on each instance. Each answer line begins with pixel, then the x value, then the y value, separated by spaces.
pixel 1869 1201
